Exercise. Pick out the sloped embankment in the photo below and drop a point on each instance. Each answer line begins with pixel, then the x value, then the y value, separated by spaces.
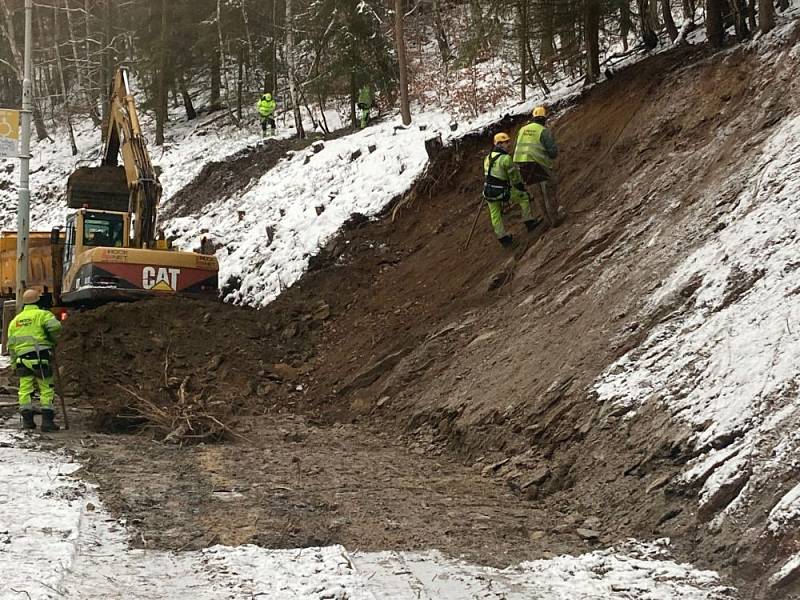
pixel 497 357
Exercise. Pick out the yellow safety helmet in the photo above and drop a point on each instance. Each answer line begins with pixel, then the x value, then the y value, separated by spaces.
pixel 31 296
pixel 540 111
pixel 501 137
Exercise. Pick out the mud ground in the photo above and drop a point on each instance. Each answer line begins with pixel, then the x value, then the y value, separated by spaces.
pixel 296 483
pixel 411 393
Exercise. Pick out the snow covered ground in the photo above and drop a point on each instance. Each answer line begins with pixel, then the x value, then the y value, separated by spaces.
pixel 56 541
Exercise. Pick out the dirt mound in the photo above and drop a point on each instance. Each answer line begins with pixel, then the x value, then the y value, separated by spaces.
pixel 182 368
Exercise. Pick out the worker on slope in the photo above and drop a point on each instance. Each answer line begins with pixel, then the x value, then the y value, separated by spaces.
pixel 31 337
pixel 535 152
pixel 364 103
pixel 504 183
pixel 266 110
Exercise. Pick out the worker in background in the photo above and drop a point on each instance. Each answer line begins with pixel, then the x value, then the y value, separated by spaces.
pixel 534 153
pixel 364 104
pixel 504 183
pixel 32 336
pixel 266 110
pixel 162 243
pixel 206 246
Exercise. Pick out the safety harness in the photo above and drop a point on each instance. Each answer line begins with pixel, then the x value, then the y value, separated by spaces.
pixel 494 188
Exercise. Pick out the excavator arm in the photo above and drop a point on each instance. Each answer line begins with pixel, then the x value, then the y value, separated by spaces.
pixel 123 137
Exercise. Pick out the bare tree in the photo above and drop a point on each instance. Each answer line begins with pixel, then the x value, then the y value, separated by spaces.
pixel 441 35
pixel 298 118
pixel 715 30
pixel 400 45
pixel 80 70
pixel 766 15
pixel 64 93
pixel 522 26
pixel 669 22
pixel 592 33
pixel 163 80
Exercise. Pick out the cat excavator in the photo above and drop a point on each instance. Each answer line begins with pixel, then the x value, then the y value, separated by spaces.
pixel 111 250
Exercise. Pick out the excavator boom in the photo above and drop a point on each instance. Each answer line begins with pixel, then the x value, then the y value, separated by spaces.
pixel 135 183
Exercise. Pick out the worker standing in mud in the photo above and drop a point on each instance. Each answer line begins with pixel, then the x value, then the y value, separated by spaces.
pixel 266 110
pixel 32 335
pixel 504 183
pixel 535 152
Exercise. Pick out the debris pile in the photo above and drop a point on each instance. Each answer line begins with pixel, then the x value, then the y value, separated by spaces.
pixel 181 369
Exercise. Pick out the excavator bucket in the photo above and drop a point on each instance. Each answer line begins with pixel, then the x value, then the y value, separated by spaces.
pixel 98 188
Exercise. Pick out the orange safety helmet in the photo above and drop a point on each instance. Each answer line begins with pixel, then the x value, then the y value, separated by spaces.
pixel 539 111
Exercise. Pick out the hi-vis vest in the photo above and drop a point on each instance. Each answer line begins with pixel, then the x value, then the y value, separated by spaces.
pixel 529 146
pixel 32 330
pixel 266 107
pixel 497 186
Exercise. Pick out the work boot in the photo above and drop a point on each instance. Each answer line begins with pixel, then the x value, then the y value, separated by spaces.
pixel 506 240
pixel 531 224
pixel 27 419
pixel 47 421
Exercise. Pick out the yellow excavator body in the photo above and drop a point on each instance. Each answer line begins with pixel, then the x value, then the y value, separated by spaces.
pixel 111 249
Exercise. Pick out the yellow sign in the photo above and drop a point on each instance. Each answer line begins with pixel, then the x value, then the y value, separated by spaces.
pixel 9 133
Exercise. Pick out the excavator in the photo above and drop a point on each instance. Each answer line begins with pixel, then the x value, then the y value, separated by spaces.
pixel 111 250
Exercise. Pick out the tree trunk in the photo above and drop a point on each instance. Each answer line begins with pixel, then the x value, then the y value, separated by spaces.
pixel 214 101
pixel 537 74
pixel 766 15
pixel 740 19
pixel 298 118
pixel 188 106
pixel 441 36
pixel 82 80
pixel 38 123
pixel 353 99
pixel 60 66
pixel 274 47
pixel 107 68
pixel 592 39
pixel 714 28
pixel 689 9
pixel 783 5
pixel 649 35
pixel 224 67
pixel 751 14
pixel 522 34
pixel 476 17
pixel 625 24
pixel 163 82
pixel 239 82
pixel 400 44
pixel 546 44
pixel 669 22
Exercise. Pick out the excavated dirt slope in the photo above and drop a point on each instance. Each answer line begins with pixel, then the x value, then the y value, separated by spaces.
pixel 479 359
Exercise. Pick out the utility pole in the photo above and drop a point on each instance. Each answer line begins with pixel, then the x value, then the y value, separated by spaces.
pixel 24 202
